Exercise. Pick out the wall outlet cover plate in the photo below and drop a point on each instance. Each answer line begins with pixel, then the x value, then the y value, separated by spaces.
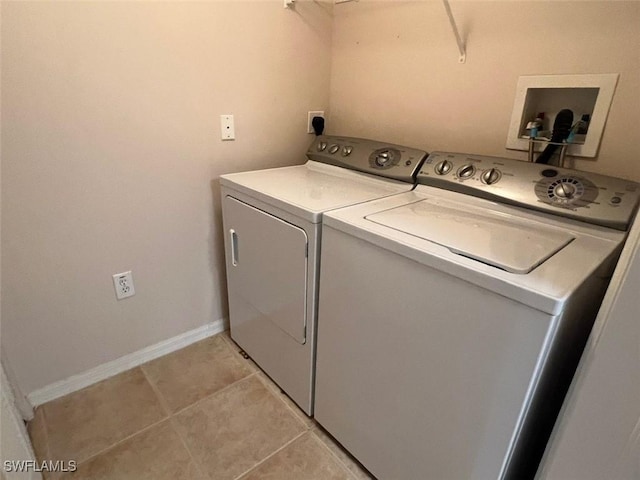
pixel 123 283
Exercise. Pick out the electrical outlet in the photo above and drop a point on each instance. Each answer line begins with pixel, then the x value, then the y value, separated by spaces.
pixel 227 128
pixel 310 115
pixel 123 283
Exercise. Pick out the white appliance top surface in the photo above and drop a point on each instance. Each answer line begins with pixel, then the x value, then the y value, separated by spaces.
pixel 534 258
pixel 309 190
pixel 491 237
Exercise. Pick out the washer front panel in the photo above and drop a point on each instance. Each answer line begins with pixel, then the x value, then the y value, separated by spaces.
pixel 546 287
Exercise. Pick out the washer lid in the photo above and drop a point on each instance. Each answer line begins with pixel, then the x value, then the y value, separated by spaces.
pixel 494 238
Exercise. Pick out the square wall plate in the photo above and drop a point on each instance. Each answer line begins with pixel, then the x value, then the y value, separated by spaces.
pixel 583 94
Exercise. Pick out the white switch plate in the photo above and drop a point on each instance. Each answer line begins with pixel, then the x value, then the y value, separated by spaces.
pixel 310 115
pixel 123 283
pixel 227 129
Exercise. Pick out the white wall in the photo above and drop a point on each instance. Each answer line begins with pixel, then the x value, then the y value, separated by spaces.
pixel 111 150
pixel 396 76
pixel 110 157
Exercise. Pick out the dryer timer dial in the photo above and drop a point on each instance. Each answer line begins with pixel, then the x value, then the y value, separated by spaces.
pixel 385 158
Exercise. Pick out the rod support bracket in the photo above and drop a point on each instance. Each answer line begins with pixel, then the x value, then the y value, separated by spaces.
pixel 461 46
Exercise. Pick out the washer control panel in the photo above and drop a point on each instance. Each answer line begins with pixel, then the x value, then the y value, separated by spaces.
pixel 589 197
pixel 369 156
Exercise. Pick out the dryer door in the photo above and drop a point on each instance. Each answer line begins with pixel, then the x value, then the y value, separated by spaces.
pixel 266 270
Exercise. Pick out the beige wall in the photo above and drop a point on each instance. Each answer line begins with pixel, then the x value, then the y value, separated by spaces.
pixel 111 149
pixel 396 76
pixel 110 157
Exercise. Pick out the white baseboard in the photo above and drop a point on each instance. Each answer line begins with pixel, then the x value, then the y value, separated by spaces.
pixel 109 369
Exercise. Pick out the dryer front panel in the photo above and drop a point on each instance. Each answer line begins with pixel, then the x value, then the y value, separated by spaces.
pixel 266 270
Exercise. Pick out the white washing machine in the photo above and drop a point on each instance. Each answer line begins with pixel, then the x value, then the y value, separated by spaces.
pixel 451 317
pixel 272 222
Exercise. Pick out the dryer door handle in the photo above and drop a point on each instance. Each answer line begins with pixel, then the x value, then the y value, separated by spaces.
pixel 234 246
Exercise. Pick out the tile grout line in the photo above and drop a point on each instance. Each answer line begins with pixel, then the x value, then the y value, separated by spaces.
pixel 120 442
pixel 201 470
pixel 270 386
pixel 252 371
pixel 335 456
pixel 233 347
pixel 172 420
pixel 272 454
pixel 278 395
pixel 47 449
pixel 117 443
pixel 161 400
pixel 197 402
pixel 172 415
pixel 168 416
pixel 228 341
pixel 277 392
pixel 203 399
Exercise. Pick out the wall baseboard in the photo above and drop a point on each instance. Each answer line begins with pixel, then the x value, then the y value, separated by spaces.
pixel 109 369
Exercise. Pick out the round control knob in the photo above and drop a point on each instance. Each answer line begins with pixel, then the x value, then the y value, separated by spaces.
pixel 334 148
pixel 321 146
pixel 346 151
pixel 564 190
pixel 491 176
pixel 443 167
pixel 567 191
pixel 466 171
pixel 382 159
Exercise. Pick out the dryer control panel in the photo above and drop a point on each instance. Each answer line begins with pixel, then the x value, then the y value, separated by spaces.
pixel 369 156
pixel 584 196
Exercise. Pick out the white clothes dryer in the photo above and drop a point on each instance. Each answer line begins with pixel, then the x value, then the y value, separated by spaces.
pixel 451 317
pixel 272 223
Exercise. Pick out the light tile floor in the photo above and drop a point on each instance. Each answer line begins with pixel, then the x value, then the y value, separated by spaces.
pixel 201 413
